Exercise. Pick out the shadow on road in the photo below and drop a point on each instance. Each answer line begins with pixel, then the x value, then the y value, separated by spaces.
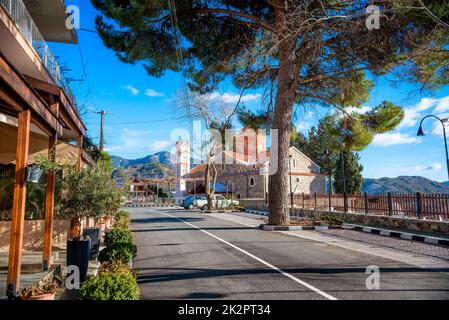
pixel 186 274
pixel 163 219
pixel 191 229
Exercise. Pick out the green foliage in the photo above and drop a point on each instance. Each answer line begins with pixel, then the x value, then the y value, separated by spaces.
pixel 35 201
pixel 333 220
pixel 90 192
pixel 119 246
pixel 122 219
pixel 353 174
pixel 6 190
pixel 114 282
pixel 118 235
pixel 120 251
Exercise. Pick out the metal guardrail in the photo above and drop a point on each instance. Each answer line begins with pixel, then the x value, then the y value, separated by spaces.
pixel 23 20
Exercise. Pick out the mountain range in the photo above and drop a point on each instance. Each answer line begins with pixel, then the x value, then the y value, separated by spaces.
pixel 404 184
pixel 162 164
pixel 158 165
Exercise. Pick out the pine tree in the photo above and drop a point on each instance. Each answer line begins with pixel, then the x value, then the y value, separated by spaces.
pixel 308 51
pixel 353 180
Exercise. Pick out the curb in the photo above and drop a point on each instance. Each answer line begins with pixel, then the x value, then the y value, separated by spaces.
pixel 260 213
pixel 267 227
pixel 398 234
pixel 218 211
pixel 149 205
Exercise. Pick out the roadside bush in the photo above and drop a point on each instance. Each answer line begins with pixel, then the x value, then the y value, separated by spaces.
pixel 119 251
pixel 122 223
pixel 122 215
pixel 122 219
pixel 333 220
pixel 118 235
pixel 119 246
pixel 114 281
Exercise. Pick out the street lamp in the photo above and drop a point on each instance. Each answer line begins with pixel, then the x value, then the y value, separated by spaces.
pixel 327 154
pixel 442 121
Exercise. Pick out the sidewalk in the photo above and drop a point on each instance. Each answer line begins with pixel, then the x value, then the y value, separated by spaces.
pixel 419 254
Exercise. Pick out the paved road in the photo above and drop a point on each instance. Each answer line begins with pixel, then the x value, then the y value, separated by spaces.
pixel 187 255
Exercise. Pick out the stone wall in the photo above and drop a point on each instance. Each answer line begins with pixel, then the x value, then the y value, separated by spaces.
pixel 412 224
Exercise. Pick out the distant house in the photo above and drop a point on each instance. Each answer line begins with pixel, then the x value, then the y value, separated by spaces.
pixel 242 171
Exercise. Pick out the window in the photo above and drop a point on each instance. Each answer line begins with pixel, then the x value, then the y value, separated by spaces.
pixel 294 163
pixel 297 180
pixel 252 182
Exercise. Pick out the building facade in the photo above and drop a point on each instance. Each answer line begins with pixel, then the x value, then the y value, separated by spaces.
pixel 243 170
pixel 38 112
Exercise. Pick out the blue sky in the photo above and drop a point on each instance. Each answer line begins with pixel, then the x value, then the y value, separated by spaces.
pixel 143 113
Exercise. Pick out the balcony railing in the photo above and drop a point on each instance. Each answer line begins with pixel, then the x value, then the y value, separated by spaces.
pixel 23 20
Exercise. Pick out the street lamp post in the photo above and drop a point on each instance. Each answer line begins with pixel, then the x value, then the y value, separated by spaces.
pixel 327 154
pixel 442 121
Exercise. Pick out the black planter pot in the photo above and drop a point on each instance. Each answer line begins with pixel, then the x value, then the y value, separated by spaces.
pixel 94 235
pixel 78 252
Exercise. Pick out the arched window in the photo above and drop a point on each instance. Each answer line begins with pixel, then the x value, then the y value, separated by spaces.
pixel 294 163
pixel 252 182
pixel 238 196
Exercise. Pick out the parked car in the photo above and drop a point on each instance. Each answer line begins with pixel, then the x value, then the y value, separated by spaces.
pixel 200 201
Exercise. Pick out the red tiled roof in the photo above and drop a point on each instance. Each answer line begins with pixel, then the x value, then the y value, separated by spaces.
pixel 198 168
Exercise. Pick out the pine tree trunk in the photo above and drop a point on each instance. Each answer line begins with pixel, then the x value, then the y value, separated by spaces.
pixel 207 187
pixel 278 188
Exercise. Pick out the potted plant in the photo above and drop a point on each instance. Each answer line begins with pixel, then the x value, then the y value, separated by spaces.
pixel 44 290
pixel 86 193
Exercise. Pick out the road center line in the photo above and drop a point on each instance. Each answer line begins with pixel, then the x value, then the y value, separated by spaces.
pixel 288 275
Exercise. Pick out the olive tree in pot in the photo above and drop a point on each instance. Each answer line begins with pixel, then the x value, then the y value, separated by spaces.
pixel 86 193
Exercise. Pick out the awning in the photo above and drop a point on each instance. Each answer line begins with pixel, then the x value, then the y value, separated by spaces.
pixel 65 152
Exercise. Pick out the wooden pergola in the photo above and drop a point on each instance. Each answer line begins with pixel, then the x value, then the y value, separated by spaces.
pixel 34 106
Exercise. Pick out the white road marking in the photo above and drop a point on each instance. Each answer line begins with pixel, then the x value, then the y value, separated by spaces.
pixel 288 275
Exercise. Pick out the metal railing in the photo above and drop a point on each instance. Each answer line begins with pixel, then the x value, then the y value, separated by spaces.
pixel 414 205
pixel 25 23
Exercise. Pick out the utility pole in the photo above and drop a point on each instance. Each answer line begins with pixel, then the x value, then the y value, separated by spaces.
pixel 102 113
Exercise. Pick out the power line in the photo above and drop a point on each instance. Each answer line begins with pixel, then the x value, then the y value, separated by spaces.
pixel 148 121
pixel 179 57
pixel 89 88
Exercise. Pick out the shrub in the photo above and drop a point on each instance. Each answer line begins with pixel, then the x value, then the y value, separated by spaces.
pixel 119 251
pixel 114 267
pixel 333 220
pixel 122 215
pixel 118 235
pixel 122 224
pixel 122 219
pixel 113 282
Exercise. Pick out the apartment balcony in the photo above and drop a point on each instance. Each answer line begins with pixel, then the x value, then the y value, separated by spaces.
pixel 25 26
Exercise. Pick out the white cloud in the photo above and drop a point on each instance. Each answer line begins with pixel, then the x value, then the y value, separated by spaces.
pixel 389 139
pixel 131 89
pixel 361 110
pixel 153 93
pixel 442 105
pixel 131 139
pixel 159 145
pixel 432 167
pixel 413 114
pixel 234 98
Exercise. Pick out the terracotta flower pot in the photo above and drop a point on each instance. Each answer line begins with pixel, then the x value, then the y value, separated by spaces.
pixel 47 296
